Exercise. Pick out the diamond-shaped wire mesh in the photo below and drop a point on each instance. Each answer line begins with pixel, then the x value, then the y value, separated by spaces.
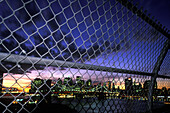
pixel 165 69
pixel 78 55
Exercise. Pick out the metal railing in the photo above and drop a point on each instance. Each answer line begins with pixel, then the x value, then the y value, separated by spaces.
pixel 89 56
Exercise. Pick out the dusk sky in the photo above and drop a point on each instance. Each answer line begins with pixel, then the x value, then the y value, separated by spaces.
pixel 85 32
pixel 159 9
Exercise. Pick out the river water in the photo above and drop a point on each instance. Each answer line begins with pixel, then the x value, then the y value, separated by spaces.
pixel 93 105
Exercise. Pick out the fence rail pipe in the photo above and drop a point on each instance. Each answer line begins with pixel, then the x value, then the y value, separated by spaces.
pixel 155 72
pixel 23 60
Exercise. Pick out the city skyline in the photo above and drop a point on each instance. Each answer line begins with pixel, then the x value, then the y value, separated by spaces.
pixel 25 82
pixel 91 33
pixel 84 55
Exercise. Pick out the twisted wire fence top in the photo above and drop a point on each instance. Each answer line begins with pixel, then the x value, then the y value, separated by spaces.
pixel 53 46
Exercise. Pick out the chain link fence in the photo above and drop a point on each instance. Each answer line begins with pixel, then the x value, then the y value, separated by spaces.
pixel 81 56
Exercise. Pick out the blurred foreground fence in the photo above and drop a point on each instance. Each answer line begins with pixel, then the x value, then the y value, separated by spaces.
pixel 85 55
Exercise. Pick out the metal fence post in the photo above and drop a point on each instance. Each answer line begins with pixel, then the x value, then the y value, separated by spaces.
pixel 155 72
pixel 85 55
pixel 1 81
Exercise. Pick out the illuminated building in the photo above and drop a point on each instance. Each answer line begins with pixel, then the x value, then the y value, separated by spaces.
pixel 59 82
pixel 0 88
pixel 104 87
pixel 168 91
pixel 43 86
pixel 164 91
pixel 147 85
pixel 9 89
pixel 118 88
pixel 78 81
pixel 109 85
pixel 46 87
pixel 89 83
pixel 57 85
pixel 113 85
pixel 78 78
pixel 128 84
pixel 98 87
pixel 68 81
pixel 35 84
pixel 82 82
pixel 137 87
pixel 40 85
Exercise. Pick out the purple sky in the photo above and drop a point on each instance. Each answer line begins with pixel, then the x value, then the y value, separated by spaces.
pixel 100 41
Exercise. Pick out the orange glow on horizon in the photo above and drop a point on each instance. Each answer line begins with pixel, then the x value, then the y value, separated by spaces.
pixel 23 81
pixel 14 81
